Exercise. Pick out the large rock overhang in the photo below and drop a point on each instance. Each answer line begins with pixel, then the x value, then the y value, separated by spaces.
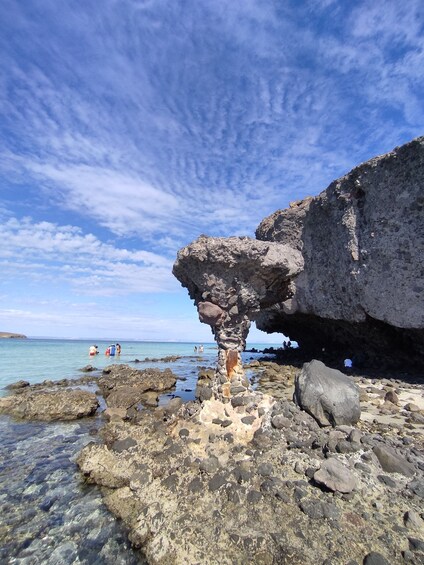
pixel 362 240
pixel 344 269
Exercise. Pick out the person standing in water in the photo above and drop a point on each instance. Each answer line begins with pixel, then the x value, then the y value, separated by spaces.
pixel 118 349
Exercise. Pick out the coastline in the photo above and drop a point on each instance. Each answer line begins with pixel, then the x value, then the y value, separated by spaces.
pixel 252 486
pixel 9 335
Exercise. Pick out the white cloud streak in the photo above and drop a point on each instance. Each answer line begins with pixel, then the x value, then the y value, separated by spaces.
pixel 171 110
pixel 47 252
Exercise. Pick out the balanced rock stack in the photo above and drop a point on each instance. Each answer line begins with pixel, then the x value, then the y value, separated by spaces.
pixel 230 280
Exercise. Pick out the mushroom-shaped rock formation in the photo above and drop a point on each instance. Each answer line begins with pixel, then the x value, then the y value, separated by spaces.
pixel 231 280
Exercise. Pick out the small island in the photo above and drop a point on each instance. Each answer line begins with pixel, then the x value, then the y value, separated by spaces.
pixel 10 335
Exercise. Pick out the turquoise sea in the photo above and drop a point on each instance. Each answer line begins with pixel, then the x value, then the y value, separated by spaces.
pixel 49 516
pixel 35 360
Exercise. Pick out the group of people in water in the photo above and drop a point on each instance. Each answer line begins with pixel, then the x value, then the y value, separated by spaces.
pixel 111 350
pixel 198 349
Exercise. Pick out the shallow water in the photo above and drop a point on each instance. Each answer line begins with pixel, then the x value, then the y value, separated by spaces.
pixel 35 360
pixel 48 515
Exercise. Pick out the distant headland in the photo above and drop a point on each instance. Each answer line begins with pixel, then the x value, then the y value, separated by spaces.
pixel 12 335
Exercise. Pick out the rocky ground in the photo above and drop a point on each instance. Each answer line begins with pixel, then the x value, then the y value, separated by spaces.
pixel 121 388
pixel 257 480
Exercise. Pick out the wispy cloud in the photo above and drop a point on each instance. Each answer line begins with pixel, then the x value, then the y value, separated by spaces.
pixel 46 252
pixel 146 123
pixel 139 114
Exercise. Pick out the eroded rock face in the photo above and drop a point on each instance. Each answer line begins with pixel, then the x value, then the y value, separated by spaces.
pixel 343 270
pixel 231 280
pixel 362 241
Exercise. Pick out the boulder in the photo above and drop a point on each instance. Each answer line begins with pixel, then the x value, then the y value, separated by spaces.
pixel 69 404
pixel 392 462
pixel 335 476
pixel 331 397
pixel 124 387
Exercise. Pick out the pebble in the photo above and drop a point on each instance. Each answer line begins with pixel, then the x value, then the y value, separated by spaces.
pixel 375 558
pixel 413 520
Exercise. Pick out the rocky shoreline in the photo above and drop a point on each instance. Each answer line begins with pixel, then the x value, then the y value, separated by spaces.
pixel 256 479
pixel 191 487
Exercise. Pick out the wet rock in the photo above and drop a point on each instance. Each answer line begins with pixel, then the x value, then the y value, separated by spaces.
pixel 49 406
pixel 328 395
pixel 88 369
pixel 17 385
pixel 335 476
pixel 123 386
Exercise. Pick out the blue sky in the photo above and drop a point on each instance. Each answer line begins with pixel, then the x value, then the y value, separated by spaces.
pixel 130 127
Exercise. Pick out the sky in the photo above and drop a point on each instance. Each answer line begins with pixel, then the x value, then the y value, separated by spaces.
pixel 130 127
